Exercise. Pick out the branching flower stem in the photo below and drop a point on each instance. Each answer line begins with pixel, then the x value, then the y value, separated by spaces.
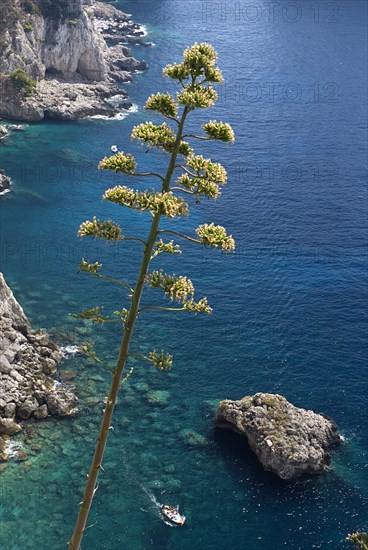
pixel 191 239
pixel 189 172
pixel 204 138
pixel 110 280
pixel 80 526
pixel 182 190
pixel 162 308
pixel 174 119
pixel 146 175
pixel 135 239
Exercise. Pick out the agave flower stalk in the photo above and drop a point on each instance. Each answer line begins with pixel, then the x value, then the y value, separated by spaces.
pixel 199 177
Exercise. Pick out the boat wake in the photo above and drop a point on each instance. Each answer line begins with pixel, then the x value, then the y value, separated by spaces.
pixel 151 496
pixel 154 506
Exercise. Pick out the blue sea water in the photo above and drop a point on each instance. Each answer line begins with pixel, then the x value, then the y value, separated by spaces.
pixel 290 306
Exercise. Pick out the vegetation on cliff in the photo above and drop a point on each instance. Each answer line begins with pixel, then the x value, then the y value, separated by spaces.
pixel 13 11
pixel 23 82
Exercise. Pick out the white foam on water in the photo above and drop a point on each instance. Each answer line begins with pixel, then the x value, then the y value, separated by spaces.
pixel 69 351
pixel 13 448
pixel 143 28
pixel 150 495
pixel 119 116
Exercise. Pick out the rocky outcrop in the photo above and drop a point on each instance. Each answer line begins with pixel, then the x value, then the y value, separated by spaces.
pixel 4 183
pixel 4 132
pixel 75 70
pixel 287 440
pixel 27 360
pixel 40 44
pixel 56 99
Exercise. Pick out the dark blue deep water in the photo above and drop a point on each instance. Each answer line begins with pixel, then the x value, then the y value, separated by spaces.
pixel 290 306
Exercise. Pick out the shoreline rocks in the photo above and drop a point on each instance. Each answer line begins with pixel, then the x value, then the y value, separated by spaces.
pixel 4 132
pixel 75 63
pixel 4 183
pixel 73 101
pixel 27 360
pixel 287 440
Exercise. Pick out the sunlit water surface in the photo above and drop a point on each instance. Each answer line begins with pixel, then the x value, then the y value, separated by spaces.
pixel 290 307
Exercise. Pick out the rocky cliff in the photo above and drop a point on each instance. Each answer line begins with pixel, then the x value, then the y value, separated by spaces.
pixel 28 362
pixel 287 440
pixel 55 62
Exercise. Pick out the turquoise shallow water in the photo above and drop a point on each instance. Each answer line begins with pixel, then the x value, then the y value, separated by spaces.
pixel 290 306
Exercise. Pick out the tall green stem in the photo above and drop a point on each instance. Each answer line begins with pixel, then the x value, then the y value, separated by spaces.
pixel 80 525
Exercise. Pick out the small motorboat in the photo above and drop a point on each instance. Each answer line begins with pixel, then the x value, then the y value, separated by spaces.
pixel 172 514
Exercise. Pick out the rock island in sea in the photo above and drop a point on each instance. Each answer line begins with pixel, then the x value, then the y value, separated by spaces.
pixel 287 440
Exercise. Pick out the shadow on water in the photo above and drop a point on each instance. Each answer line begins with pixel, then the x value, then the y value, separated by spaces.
pixel 242 461
pixel 245 468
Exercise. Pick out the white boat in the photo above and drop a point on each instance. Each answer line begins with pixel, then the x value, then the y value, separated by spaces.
pixel 172 514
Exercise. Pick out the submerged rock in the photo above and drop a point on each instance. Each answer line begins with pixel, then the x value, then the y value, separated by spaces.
pixel 61 402
pixel 193 438
pixel 287 440
pixel 158 397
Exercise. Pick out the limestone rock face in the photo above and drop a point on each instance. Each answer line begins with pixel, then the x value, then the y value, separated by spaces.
pixel 68 58
pixel 63 47
pixel 287 440
pixel 74 48
pixel 27 358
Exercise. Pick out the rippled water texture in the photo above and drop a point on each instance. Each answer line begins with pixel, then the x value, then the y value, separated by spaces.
pixel 290 305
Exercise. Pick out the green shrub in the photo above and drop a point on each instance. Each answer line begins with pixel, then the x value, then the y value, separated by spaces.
pixel 23 82
pixel 9 16
pixel 56 9
pixel 27 27
pixel 29 6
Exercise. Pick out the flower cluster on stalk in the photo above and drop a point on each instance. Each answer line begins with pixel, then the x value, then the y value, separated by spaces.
pixel 161 360
pixel 120 162
pixel 88 267
pixel 93 314
pixel 178 288
pixel 199 97
pixel 204 178
pixel 106 229
pixel 122 315
pixel 198 307
pixel 165 248
pixel 161 136
pixel 215 236
pixel 219 130
pixel 198 60
pixel 162 103
pixel 164 203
